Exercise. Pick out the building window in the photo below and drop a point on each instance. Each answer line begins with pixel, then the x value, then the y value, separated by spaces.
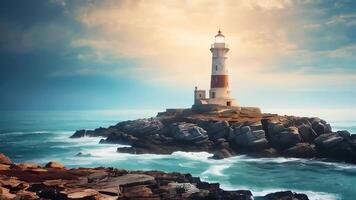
pixel 216 68
pixel 213 95
pixel 200 95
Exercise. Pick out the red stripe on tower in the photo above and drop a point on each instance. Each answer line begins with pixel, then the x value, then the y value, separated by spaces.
pixel 219 81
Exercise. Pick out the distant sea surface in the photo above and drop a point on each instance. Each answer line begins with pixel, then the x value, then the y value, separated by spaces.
pixel 42 136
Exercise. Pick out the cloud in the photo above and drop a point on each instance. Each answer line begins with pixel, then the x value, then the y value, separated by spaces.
pixel 170 40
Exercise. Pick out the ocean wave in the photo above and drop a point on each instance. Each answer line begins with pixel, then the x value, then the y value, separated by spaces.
pixel 216 170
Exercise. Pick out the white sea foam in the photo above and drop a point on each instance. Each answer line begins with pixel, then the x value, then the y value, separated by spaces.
pixel 216 170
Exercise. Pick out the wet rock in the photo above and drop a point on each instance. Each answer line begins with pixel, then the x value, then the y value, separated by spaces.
pixel 301 150
pixel 187 132
pixel 54 164
pixel 227 195
pixel 286 195
pixel 221 154
pixel 5 160
pixel 81 154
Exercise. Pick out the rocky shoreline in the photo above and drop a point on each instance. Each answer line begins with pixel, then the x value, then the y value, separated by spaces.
pixel 29 181
pixel 226 133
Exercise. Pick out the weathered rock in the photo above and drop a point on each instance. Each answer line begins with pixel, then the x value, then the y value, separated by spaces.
pixel 97 176
pixel 26 195
pixel 338 146
pixel 5 194
pixel 119 138
pixel 286 195
pixel 54 164
pixel 225 195
pixel 186 187
pixel 329 140
pixel 220 129
pixel 4 167
pixel 246 138
pixel 301 150
pixel 81 194
pixel 138 192
pixel 109 184
pixel 307 133
pixel 187 132
pixel 319 127
pixel 141 127
pixel 133 179
pixel 5 160
pixel 24 166
pixel 282 138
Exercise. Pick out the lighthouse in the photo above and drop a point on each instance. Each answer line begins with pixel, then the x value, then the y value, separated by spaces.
pixel 219 93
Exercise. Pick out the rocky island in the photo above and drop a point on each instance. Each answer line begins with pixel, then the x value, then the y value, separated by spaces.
pixel 226 132
pixel 29 181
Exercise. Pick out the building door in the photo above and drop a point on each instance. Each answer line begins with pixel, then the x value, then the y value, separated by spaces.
pixel 228 103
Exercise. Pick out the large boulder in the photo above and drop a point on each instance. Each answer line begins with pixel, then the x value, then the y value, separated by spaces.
pixel 321 127
pixel 286 195
pixel 221 154
pixel 220 129
pixel 328 140
pixel 5 160
pixel 54 164
pixel 301 150
pixel 246 137
pixel 337 145
pixel 141 127
pixel 188 132
pixel 282 138
pixel 307 133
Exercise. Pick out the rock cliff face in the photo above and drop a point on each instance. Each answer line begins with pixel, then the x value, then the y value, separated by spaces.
pixel 227 134
pixel 54 181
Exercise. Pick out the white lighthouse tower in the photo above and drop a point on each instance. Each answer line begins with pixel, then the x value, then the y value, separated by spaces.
pixel 219 93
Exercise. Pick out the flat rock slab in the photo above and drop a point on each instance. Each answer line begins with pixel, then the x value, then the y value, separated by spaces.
pixel 130 180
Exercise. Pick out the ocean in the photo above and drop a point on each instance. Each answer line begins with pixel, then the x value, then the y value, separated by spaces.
pixel 42 136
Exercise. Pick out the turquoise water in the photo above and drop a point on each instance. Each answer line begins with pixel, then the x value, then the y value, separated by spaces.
pixel 43 136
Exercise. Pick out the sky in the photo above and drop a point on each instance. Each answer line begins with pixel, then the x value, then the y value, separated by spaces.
pixel 127 54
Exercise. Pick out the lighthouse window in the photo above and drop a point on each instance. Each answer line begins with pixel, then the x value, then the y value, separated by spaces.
pixel 216 68
pixel 213 95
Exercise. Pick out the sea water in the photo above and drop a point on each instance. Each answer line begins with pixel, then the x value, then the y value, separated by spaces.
pixel 42 136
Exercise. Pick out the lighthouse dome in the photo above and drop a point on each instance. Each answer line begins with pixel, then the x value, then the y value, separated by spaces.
pixel 219 38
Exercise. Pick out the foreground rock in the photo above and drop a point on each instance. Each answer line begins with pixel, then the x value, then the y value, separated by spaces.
pixel 230 133
pixel 58 183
